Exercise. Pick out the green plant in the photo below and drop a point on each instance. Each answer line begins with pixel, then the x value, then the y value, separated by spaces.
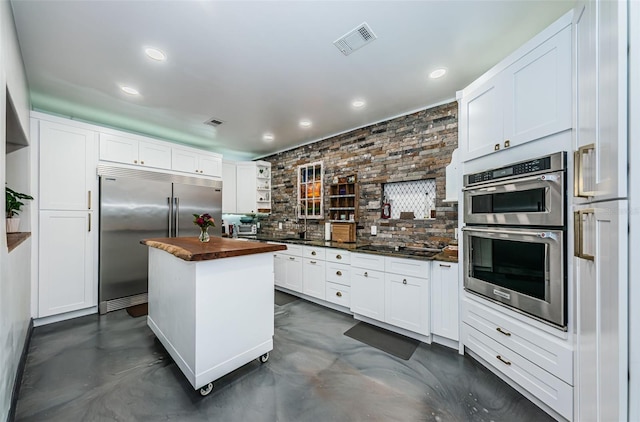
pixel 13 203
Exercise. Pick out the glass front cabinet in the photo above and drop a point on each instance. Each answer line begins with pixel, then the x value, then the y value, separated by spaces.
pixel 310 191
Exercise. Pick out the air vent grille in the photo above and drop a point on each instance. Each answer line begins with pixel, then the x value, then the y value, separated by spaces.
pixel 213 122
pixel 355 39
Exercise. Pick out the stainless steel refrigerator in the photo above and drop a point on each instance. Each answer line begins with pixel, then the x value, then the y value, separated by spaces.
pixel 136 205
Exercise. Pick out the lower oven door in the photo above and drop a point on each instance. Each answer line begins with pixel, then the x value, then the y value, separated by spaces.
pixel 520 268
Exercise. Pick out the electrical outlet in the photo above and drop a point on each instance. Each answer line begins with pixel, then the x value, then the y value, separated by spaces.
pixel 258 225
pixel 279 226
pixel 455 234
pixel 374 230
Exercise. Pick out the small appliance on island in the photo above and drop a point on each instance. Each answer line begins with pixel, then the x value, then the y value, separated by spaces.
pixel 211 303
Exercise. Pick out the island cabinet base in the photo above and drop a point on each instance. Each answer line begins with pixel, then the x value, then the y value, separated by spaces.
pixel 212 316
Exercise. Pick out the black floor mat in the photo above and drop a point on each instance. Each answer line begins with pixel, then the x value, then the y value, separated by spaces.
pixel 282 298
pixel 385 340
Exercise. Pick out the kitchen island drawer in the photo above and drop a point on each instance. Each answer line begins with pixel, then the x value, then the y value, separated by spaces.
pixel 338 294
pixel 339 256
pixel 551 354
pixel 552 391
pixel 339 273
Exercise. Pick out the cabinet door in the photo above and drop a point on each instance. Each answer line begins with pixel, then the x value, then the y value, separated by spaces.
pixel 407 302
pixel 118 149
pixel 66 276
pixel 229 187
pixel 313 278
pixel 246 188
pixel 367 293
pixel 602 314
pixel 210 165
pixel 294 273
pixel 538 91
pixel 481 120
pixel 184 160
pixel 279 270
pixel 152 154
pixel 68 162
pixel 444 300
pixel 601 158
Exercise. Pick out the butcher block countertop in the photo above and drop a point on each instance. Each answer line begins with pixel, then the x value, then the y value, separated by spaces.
pixel 191 249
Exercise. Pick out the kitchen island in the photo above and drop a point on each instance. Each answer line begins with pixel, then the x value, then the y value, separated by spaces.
pixel 211 304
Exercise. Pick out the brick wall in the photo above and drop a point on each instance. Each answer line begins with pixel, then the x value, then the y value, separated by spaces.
pixel 412 147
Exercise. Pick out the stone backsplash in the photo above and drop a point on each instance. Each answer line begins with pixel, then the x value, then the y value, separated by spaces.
pixel 412 147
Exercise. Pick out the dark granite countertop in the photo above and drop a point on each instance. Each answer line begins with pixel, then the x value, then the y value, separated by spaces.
pixel 362 247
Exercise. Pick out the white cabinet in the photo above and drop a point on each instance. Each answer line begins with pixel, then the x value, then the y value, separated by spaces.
pixel 406 302
pixel 528 99
pixel 367 292
pixel 67 279
pixel 68 162
pixel 601 101
pixel 126 150
pixel 444 299
pixel 68 231
pixel 288 268
pixel 539 362
pixel 196 161
pixel 229 187
pixel 601 275
pixel 253 187
pixel 313 278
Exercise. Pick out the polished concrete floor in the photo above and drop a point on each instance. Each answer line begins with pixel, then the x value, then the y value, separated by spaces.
pixel 111 368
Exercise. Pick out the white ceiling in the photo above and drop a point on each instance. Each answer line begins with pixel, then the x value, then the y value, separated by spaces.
pixel 260 66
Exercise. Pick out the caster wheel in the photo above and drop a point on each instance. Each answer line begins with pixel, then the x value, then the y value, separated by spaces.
pixel 206 389
pixel 264 358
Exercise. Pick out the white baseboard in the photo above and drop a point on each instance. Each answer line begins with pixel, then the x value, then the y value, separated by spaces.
pixel 37 322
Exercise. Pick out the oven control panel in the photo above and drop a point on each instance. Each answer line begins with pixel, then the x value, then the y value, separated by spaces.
pixel 553 162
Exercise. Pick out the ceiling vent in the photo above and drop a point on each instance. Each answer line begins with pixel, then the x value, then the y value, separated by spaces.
pixel 355 39
pixel 213 122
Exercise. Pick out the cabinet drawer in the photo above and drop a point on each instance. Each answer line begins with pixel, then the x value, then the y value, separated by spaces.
pixel 551 390
pixel 371 262
pixel 338 255
pixel 339 273
pixel 338 294
pixel 549 353
pixel 313 252
pixel 295 250
pixel 409 267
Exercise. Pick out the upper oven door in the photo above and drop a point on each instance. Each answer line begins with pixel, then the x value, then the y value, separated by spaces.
pixel 530 201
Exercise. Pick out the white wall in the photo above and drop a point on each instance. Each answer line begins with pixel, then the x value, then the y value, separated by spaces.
pixel 15 283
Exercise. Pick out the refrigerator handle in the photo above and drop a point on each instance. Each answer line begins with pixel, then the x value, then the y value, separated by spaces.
pixel 170 225
pixel 177 217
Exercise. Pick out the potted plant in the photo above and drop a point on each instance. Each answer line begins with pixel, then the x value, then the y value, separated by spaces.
pixel 12 208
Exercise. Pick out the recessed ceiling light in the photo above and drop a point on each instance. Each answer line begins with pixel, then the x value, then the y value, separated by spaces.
pixel 305 123
pixel 438 73
pixel 268 137
pixel 358 103
pixel 155 54
pixel 129 90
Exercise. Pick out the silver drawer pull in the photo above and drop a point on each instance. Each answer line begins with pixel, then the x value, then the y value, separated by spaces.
pixel 404 281
pixel 338 256
pixel 313 262
pixel 339 294
pixel 292 258
pixel 338 272
pixel 445 265
pixel 503 360
pixel 501 331
pixel 366 274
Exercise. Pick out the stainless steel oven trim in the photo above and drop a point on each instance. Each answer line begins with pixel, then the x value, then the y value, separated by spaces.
pixel 554 214
pixel 553 310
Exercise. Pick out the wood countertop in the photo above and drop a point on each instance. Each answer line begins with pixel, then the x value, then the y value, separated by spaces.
pixel 15 239
pixel 191 249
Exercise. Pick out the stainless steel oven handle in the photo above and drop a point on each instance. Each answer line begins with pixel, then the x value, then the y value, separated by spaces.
pixel 548 177
pixel 543 235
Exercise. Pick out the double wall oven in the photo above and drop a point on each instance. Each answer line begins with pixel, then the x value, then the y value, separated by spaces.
pixel 515 236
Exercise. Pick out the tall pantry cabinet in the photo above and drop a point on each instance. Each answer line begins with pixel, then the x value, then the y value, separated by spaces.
pixel 68 223
pixel 600 212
